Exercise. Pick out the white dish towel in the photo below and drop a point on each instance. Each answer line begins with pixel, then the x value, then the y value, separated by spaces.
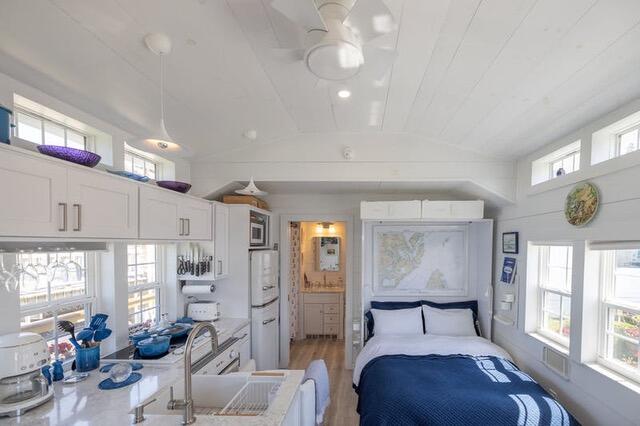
pixel 317 371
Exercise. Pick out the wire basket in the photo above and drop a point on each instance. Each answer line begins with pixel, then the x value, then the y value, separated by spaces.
pixel 252 400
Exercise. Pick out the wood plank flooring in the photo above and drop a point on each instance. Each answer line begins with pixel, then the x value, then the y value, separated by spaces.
pixel 342 410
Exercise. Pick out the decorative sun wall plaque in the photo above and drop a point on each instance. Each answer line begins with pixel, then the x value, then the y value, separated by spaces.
pixel 582 204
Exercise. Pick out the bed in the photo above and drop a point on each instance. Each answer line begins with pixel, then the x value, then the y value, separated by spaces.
pixel 423 379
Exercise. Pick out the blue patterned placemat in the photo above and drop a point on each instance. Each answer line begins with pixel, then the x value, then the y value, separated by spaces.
pixel 108 384
pixel 134 366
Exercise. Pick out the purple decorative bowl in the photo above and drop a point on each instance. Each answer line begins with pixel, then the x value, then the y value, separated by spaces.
pixel 174 185
pixel 73 155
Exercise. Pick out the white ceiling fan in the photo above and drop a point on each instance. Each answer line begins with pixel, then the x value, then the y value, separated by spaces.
pixel 336 33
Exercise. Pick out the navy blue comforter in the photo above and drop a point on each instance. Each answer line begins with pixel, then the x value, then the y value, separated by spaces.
pixel 453 390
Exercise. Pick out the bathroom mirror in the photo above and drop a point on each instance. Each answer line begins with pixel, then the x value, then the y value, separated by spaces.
pixel 328 254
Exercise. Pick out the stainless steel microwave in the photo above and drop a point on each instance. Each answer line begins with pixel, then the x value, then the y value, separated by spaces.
pixel 258 229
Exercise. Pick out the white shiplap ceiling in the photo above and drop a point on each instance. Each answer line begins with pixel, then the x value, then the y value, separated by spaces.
pixel 498 76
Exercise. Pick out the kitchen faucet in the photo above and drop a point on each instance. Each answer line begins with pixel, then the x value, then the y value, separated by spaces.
pixel 187 404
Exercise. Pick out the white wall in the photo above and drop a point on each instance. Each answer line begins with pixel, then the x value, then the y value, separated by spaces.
pixel 378 157
pixel 538 215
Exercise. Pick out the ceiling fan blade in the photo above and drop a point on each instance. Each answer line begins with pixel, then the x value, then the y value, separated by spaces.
pixel 288 56
pixel 377 63
pixel 369 19
pixel 302 12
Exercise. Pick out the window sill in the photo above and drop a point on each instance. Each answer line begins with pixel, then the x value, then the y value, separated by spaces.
pixel 615 376
pixel 557 346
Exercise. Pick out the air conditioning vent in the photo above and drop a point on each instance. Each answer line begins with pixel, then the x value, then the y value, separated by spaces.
pixel 556 361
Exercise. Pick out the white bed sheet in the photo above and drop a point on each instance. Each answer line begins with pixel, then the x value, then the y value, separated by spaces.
pixel 398 344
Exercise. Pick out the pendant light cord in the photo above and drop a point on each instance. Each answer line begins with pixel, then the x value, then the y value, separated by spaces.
pixel 162 87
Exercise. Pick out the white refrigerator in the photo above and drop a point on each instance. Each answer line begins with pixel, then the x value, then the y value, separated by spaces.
pixel 265 309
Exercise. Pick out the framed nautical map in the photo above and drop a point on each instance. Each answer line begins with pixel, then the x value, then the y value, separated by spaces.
pixel 417 260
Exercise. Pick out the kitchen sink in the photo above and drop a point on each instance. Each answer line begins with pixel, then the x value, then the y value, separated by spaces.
pixel 228 395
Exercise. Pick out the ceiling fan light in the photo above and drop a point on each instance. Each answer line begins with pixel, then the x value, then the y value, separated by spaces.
pixel 334 60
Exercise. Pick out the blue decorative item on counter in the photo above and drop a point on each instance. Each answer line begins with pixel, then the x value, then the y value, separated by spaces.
pixel 135 366
pixel 58 371
pixel 185 320
pixel 87 359
pixel 154 346
pixel 101 334
pixel 46 372
pixel 108 384
pixel 139 336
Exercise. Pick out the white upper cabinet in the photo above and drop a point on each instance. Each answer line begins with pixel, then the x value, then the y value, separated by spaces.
pixel 169 216
pixel 102 206
pixel 34 196
pixel 196 219
pixel 159 214
pixel 221 240
pixel 390 209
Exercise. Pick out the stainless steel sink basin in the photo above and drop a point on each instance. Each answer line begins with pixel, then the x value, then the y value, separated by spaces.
pixel 229 395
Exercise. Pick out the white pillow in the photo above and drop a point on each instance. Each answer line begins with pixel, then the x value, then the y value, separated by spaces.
pixel 397 321
pixel 448 322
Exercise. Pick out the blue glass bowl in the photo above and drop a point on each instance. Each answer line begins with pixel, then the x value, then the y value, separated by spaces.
pixel 78 156
pixel 174 185
pixel 129 175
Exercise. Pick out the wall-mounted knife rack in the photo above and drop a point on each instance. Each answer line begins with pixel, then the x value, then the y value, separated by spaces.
pixel 193 261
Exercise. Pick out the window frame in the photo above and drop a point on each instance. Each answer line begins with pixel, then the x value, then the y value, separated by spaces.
pixel 543 289
pixel 157 285
pixel 146 160
pixel 617 146
pixel 605 304
pixel 43 119
pixel 575 155
pixel 88 301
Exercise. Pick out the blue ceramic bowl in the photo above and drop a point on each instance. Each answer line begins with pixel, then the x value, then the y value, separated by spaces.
pixel 177 329
pixel 153 346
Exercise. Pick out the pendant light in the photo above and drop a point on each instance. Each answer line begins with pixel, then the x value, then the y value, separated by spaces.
pixel 160 44
pixel 251 189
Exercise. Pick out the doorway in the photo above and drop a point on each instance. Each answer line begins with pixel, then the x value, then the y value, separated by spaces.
pixel 316 280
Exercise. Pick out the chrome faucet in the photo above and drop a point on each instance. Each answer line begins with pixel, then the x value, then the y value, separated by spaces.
pixel 187 404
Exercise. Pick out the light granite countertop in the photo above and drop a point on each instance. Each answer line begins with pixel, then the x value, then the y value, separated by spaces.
pixel 85 404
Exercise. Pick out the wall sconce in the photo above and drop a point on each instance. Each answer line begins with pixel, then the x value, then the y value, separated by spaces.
pixel 324 227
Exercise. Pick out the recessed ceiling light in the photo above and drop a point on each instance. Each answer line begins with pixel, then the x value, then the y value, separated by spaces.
pixel 344 94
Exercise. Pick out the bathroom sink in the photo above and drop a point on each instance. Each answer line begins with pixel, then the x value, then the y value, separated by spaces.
pixel 212 395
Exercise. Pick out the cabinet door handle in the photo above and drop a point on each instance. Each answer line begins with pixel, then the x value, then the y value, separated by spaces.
pixel 219 266
pixel 64 217
pixel 78 209
pixel 268 287
pixel 188 232
pixel 181 232
pixel 265 322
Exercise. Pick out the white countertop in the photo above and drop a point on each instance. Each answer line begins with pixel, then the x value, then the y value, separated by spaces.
pixel 85 404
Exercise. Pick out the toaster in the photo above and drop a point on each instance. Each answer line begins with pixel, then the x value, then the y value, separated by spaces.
pixel 204 311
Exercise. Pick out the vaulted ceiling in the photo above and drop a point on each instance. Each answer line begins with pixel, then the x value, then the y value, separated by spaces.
pixel 498 76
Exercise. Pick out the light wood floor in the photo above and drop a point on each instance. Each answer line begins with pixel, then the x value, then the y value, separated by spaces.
pixel 342 411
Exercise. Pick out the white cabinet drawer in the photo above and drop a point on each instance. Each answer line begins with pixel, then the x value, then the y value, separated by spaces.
pixel 330 318
pixel 331 329
pixel 331 308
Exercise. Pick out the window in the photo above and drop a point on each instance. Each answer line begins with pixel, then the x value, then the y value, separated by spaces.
pixel 40 130
pixel 554 292
pixel 620 311
pixel 627 142
pixel 138 164
pixel 565 165
pixel 53 287
pixel 144 285
pixel 558 163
